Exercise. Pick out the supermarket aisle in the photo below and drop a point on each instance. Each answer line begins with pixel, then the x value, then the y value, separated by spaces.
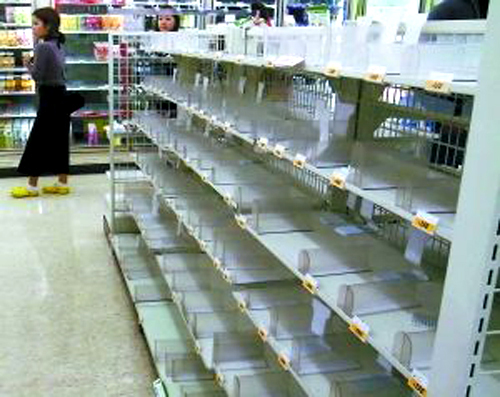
pixel 66 328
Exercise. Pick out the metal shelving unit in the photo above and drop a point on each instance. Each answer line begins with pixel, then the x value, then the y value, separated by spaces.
pixel 16 85
pixel 312 225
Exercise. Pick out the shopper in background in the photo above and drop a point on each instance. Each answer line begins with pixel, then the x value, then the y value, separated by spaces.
pixel 460 9
pixel 170 21
pixel 261 15
pixel 47 148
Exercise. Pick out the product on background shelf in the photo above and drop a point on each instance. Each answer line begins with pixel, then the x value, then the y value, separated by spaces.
pixel 14 133
pixel 7 60
pixel 18 15
pixel 16 38
pixel 71 23
pixel 93 135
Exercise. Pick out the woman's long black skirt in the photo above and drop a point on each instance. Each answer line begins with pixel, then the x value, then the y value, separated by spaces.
pixel 47 148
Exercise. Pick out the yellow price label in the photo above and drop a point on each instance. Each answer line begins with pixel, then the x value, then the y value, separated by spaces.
pixel 359 329
pixel 284 362
pixel 310 284
pixel 375 74
pixel 241 221
pixel 338 180
pixel 442 87
pixel 418 383
pixel 425 222
pixel 219 378
pixel 242 306
pixel 332 70
pixel 299 161
pixel 360 334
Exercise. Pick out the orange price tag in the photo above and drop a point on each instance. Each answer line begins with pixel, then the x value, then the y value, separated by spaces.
pixel 425 222
pixel 333 70
pixel 359 329
pixel 284 362
pixel 262 334
pixel 375 74
pixel 439 82
pixel 418 383
pixel 299 161
pixel 310 284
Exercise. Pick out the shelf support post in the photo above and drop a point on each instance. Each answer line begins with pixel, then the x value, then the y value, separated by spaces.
pixel 473 264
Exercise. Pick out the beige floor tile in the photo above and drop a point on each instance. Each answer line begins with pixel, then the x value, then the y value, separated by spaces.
pixel 67 326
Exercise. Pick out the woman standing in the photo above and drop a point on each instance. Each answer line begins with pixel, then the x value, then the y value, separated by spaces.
pixel 47 148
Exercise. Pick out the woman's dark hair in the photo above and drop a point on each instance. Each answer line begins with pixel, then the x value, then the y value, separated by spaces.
pixel 52 20
pixel 264 12
pixel 174 14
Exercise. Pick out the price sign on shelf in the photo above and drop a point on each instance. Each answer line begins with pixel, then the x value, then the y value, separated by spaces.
pixel 333 69
pixel 375 74
pixel 241 221
pixel 310 283
pixel 284 361
pixel 279 151
pixel 439 82
pixel 299 161
pixel 419 383
pixel 219 378
pixel 262 143
pixel 262 334
pixel 425 222
pixel 217 263
pixel 338 178
pixel 242 305
pixel 360 329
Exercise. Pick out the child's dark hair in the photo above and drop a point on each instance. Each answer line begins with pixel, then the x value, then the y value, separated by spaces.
pixel 52 20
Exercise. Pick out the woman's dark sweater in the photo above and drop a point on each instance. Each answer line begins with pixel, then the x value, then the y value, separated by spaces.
pixel 47 68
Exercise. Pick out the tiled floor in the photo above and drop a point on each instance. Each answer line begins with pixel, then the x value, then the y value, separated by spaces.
pixel 66 326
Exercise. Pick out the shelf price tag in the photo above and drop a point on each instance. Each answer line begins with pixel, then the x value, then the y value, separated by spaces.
pixel 228 199
pixel 217 263
pixel 262 334
pixel 418 382
pixel 310 284
pixel 242 305
pixel 360 329
pixel 375 74
pixel 338 180
pixel 226 275
pixel 279 151
pixel 439 82
pixel 299 161
pixel 241 221
pixel 425 222
pixel 284 361
pixel 262 143
pixel 219 378
pixel 333 69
